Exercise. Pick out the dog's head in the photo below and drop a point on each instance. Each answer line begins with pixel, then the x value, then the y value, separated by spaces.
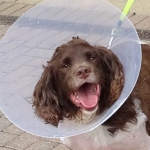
pixel 79 77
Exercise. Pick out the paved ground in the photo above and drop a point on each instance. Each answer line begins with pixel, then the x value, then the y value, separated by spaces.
pixel 11 137
pixel 139 6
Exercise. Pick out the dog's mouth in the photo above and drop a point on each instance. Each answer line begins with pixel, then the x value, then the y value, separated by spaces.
pixel 86 96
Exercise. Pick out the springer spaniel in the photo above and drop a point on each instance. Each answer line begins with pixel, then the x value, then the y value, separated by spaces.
pixel 81 81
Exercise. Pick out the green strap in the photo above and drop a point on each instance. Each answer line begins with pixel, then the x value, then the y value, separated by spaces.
pixel 126 9
pixel 124 13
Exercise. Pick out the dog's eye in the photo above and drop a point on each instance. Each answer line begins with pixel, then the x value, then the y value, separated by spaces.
pixel 92 58
pixel 66 62
pixel 65 65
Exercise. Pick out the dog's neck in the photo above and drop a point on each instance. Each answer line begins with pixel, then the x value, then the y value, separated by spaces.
pixel 86 116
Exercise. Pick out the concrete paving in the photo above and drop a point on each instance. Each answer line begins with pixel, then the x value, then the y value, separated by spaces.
pixel 13 138
pixel 139 6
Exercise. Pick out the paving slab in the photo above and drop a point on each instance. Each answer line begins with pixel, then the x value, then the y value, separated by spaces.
pixel 4 6
pixel 6 138
pixel 61 147
pixel 143 25
pixel 7 20
pixel 28 1
pixel 8 1
pixel 22 1
pixel 135 19
pixel 3 116
pixel 52 139
pixel 4 123
pixel 42 145
pixel 13 130
pixel 2 148
pixel 12 9
pixel 22 10
pixel 23 141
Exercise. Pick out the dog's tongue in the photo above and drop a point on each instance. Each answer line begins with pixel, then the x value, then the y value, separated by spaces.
pixel 87 95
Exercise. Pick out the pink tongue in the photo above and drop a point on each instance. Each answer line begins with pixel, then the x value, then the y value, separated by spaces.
pixel 86 96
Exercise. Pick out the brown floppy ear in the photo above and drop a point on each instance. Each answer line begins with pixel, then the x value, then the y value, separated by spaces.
pixel 45 100
pixel 114 73
pixel 118 80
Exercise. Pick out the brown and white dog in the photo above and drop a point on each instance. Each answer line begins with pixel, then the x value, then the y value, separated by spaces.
pixel 84 80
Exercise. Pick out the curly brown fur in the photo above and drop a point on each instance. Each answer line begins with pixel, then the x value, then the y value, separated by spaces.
pixel 51 95
pixel 141 91
pixel 142 87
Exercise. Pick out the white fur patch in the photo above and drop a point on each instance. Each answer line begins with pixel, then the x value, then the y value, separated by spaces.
pixel 101 137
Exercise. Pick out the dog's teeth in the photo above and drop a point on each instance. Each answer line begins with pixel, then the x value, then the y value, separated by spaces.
pixel 75 93
pixel 94 88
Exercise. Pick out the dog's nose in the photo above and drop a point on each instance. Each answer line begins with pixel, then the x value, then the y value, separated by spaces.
pixel 83 72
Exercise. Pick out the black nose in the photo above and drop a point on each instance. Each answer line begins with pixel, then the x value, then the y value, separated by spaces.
pixel 83 72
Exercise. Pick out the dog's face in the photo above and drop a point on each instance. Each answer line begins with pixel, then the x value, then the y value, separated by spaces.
pixel 78 77
pixel 79 74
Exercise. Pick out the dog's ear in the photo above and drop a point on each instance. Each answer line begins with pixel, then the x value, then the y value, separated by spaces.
pixel 45 100
pixel 114 73
pixel 118 79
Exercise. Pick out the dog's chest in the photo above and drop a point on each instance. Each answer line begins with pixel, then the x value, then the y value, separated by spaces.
pixel 97 140
pixel 101 139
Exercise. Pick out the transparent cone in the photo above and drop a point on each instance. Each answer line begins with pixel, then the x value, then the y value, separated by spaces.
pixel 31 41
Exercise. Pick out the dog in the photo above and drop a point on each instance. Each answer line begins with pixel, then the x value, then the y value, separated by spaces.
pixel 81 81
